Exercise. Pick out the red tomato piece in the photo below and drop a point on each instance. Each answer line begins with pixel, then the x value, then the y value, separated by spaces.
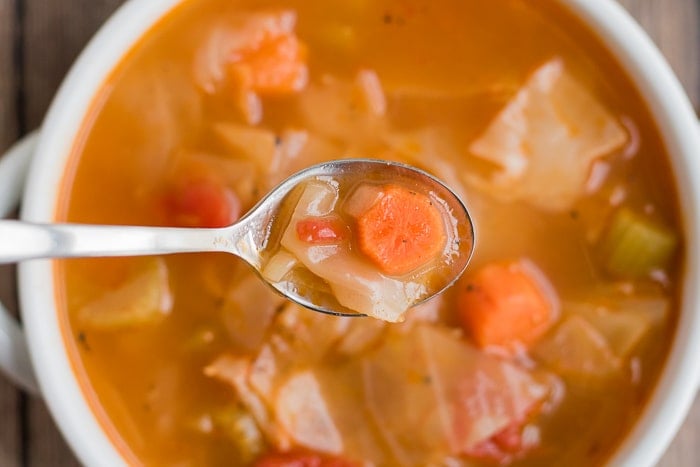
pixel 297 459
pixel 322 230
pixel 202 203
pixel 505 446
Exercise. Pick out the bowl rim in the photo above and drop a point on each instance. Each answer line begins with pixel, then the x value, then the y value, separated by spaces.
pixel 620 34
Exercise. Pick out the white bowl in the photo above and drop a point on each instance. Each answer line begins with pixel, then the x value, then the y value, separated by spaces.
pixel 57 382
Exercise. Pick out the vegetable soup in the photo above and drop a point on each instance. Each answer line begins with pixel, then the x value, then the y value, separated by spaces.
pixel 543 353
pixel 372 239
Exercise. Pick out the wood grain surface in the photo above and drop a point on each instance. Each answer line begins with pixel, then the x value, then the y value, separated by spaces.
pixel 39 39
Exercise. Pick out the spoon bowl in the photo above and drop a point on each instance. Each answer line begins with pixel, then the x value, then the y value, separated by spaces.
pixel 248 238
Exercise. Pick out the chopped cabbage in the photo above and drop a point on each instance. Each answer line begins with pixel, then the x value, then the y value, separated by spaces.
pixel 144 299
pixel 545 140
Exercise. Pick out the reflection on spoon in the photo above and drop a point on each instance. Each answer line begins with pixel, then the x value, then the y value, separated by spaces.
pixel 347 237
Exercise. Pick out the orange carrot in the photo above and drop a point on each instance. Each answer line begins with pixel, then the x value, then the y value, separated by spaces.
pixel 277 67
pixel 321 230
pixel 505 304
pixel 401 231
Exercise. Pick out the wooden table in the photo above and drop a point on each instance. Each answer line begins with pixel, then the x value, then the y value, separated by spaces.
pixel 38 41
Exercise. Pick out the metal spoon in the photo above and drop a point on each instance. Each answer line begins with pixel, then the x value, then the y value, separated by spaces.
pixel 246 238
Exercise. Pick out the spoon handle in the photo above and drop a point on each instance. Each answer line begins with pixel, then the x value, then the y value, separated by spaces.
pixel 24 240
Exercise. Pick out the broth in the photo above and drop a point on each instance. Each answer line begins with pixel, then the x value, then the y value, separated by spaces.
pixel 199 120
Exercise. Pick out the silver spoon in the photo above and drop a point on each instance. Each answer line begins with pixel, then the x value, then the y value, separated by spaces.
pixel 246 238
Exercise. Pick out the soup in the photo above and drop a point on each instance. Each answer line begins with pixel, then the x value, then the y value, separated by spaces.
pixel 544 353
pixel 373 239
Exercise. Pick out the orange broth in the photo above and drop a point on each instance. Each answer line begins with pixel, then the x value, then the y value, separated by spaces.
pixel 447 68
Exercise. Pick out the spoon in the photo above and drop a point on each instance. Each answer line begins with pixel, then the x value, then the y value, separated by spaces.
pixel 246 238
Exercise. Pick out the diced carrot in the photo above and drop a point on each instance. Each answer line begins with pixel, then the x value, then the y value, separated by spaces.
pixel 302 459
pixel 202 203
pixel 277 66
pixel 506 305
pixel 322 230
pixel 402 231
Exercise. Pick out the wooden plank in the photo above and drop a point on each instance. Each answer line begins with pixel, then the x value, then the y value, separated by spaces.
pixel 10 428
pixel 55 32
pixel 674 25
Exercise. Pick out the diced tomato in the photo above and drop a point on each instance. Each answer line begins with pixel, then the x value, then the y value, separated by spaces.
pixel 202 203
pixel 322 230
pixel 505 446
pixel 301 459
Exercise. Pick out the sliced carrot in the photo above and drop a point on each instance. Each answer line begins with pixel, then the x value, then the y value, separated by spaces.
pixel 201 203
pixel 505 305
pixel 321 230
pixel 402 231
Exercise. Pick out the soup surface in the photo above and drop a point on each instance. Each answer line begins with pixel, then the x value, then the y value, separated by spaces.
pixel 544 353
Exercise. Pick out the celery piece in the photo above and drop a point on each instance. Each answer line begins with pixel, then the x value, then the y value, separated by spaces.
pixel 635 245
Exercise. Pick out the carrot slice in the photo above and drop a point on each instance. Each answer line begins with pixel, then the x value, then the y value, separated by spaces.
pixel 401 231
pixel 506 305
pixel 321 230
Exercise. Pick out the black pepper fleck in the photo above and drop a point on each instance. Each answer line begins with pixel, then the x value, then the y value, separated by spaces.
pixel 82 339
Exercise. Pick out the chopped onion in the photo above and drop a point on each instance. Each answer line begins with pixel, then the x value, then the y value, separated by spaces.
pixel 279 265
pixel 371 92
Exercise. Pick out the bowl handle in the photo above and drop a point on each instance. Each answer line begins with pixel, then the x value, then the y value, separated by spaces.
pixel 14 353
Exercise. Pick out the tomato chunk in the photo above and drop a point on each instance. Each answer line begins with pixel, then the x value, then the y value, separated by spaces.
pixel 510 444
pixel 301 459
pixel 321 230
pixel 202 203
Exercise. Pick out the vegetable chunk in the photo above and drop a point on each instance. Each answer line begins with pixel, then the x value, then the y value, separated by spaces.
pixel 401 231
pixel 259 49
pixel 576 349
pixel 635 245
pixel 301 459
pixel 322 230
pixel 506 305
pixel 144 299
pixel 452 397
pixel 202 203
pixel 302 411
pixel 546 139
